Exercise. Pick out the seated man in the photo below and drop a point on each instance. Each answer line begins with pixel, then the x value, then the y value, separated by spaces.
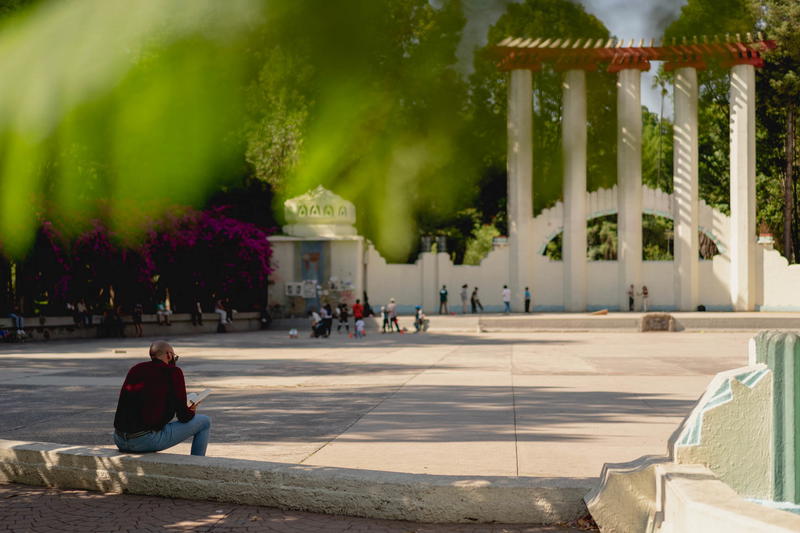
pixel 153 393
pixel 17 318
pixel 162 313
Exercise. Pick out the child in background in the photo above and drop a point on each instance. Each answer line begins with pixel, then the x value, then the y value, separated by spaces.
pixel 420 320
pixel 343 318
pixel 360 328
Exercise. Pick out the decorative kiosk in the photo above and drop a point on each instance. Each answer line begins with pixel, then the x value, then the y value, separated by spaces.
pixel 319 258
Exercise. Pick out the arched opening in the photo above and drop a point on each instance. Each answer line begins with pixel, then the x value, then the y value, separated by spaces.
pixel 658 235
pixel 601 240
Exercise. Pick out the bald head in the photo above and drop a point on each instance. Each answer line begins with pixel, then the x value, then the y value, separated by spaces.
pixel 161 350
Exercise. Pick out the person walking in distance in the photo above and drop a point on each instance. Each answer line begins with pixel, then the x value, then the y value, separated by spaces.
pixel 343 318
pixel 219 309
pixel 328 318
pixel 196 313
pixel 475 301
pixel 392 308
pixel 443 300
pixel 527 300
pixel 506 299
pixel 464 296
pixel 387 326
pixel 136 316
pixel 645 295
pixel 358 310
pixel 631 292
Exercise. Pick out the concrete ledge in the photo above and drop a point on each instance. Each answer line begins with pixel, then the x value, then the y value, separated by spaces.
pixel 366 493
pixel 557 322
pixel 691 498
pixel 63 327
pixel 656 495
pixel 624 501
pixel 621 322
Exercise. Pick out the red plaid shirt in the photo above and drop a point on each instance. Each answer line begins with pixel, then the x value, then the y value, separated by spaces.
pixel 152 394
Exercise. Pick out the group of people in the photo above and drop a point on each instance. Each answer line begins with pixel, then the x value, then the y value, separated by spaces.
pixel 389 314
pixel 111 320
pixel 645 294
pixel 322 321
pixel 391 322
pixel 475 301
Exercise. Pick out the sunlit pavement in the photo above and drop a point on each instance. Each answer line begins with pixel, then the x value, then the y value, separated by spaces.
pixel 45 510
pixel 527 404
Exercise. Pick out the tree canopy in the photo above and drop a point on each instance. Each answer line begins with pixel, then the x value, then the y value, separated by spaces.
pixel 157 104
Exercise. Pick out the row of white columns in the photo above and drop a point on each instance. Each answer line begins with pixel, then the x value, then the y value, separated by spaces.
pixel 629 186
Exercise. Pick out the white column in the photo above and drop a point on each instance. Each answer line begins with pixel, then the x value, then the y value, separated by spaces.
pixel 629 183
pixel 743 187
pixel 574 151
pixel 685 184
pixel 520 184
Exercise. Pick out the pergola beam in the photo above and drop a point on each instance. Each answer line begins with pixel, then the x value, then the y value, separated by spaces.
pixel 515 53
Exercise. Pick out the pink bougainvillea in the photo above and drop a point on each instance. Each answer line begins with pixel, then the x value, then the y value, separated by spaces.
pixel 195 255
pixel 208 255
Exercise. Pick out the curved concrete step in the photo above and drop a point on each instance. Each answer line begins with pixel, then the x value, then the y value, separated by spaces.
pixel 340 491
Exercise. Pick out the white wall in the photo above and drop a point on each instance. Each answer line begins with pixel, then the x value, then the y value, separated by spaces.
pixel 283 263
pixel 601 287
pixel 399 281
pixel 489 277
pixel 714 284
pixel 548 285
pixel 346 259
pixel 658 276
pixel 780 283
pixel 419 283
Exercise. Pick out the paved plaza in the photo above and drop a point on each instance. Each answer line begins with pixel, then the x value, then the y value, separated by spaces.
pixel 544 405
pixel 503 404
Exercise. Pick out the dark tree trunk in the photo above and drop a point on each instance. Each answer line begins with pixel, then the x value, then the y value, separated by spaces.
pixel 796 219
pixel 788 188
pixel 6 288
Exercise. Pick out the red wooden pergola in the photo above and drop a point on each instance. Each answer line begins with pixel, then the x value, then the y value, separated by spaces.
pixel 616 55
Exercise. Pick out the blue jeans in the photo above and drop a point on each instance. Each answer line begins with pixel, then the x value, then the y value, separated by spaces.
pixel 170 435
pixel 19 320
pixel 507 308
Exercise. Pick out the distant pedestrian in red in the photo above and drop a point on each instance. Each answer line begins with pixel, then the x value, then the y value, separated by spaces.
pixel 358 310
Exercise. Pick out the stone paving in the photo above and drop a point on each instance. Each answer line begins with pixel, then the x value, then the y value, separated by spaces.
pixel 38 510
pixel 507 404
pixel 532 404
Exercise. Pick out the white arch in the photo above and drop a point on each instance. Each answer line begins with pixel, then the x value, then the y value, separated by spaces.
pixel 603 202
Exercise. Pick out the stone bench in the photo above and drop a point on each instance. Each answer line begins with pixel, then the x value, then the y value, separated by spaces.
pixel 64 327
pixel 338 491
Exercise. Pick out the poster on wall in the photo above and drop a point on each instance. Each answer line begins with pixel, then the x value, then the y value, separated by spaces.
pixel 294 288
pixel 309 289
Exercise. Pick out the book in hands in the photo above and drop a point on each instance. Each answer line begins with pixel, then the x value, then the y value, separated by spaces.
pixel 194 398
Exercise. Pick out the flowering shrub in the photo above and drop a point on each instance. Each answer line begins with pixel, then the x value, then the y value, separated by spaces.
pixel 194 254
pixel 99 264
pixel 208 255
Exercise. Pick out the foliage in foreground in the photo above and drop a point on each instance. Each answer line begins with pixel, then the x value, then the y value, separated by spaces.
pixel 188 255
